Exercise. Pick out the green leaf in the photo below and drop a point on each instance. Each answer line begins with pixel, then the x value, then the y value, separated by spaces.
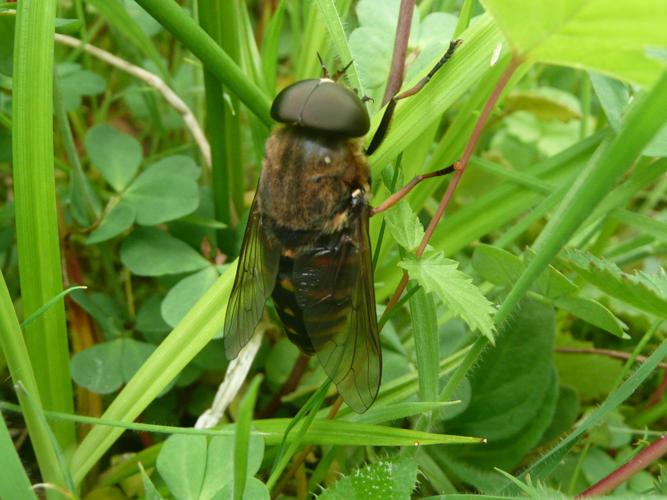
pixel 567 410
pixel 182 464
pixel 501 267
pixel 254 489
pixel 586 33
pixel 591 376
pixel 150 322
pixel 404 225
pixel 76 82
pixel 177 165
pixel 96 368
pixel 104 367
pixel 115 154
pixel 594 313
pixel 14 482
pixel 507 453
pixel 644 291
pixel 195 468
pixel 160 194
pixel 7 26
pixel 104 310
pixel 613 95
pixel 340 432
pixel 151 252
pixel 220 463
pixel 117 220
pixel 184 294
pixel 384 479
pixel 546 103
pixel 440 275
pixel 425 332
pixel 509 383
pixel 541 468
pixel 150 491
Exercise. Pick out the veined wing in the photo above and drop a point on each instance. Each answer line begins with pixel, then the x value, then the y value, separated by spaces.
pixel 334 288
pixel 254 281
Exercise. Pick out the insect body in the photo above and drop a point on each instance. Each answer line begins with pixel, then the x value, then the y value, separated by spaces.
pixel 306 244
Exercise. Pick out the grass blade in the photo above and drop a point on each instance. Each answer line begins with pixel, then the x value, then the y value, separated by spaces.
pixel 36 217
pixel 217 61
pixel 14 482
pixel 205 320
pixel 20 368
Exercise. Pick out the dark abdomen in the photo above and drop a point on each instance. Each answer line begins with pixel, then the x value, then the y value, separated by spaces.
pixel 284 300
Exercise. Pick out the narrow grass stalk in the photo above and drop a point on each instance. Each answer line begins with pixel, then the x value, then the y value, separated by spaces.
pixel 36 217
pixel 210 19
pixel 217 61
pixel 230 23
pixel 20 369
pixel 242 438
pixel 594 183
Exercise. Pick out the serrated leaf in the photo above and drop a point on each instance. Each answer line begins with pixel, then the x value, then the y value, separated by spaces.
pixel 161 193
pixel 383 479
pixel 455 288
pixel 119 218
pixel 646 292
pixel 586 33
pixel 151 252
pixel 404 225
pixel 115 154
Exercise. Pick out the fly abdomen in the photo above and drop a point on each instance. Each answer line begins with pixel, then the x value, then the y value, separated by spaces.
pixel 284 299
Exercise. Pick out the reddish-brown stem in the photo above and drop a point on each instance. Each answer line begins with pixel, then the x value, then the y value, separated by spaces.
pixel 460 168
pixel 604 352
pixel 639 462
pixel 397 70
pixel 659 392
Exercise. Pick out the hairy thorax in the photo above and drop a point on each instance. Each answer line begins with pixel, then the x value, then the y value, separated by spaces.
pixel 308 180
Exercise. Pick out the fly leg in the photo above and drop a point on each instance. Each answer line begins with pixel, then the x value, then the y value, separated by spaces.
pixel 382 130
pixel 398 195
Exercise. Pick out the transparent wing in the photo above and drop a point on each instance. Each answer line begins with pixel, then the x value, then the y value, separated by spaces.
pixel 254 281
pixel 334 288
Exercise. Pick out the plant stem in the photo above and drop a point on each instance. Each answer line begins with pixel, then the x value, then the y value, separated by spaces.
pixel 639 462
pixel 460 168
pixel 397 70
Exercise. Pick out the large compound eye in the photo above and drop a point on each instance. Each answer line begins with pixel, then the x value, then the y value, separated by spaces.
pixel 321 105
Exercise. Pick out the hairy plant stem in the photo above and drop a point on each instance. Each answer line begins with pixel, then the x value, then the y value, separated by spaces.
pixel 637 463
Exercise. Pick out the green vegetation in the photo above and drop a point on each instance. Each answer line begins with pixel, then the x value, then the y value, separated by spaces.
pixel 523 331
